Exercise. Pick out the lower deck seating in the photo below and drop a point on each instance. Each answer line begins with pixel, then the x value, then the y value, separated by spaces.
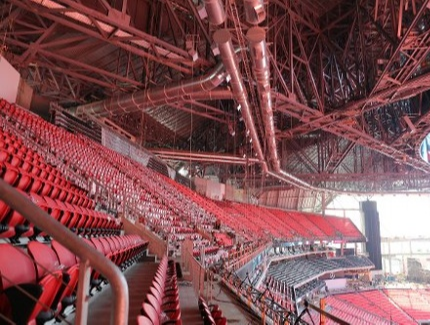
pixel 415 303
pixel 377 303
pixel 295 272
pixel 162 302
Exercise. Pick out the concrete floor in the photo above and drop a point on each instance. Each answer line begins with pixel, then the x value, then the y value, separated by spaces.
pixel 220 296
pixel 139 278
pixel 230 307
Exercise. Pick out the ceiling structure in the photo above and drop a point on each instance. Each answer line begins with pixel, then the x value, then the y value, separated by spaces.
pixel 313 95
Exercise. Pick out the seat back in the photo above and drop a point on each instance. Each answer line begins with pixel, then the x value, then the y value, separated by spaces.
pixel 151 313
pixel 65 257
pixel 45 258
pixel 143 320
pixel 20 271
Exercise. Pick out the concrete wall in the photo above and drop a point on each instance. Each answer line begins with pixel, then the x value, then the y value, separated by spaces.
pixel 9 81
pixel 25 94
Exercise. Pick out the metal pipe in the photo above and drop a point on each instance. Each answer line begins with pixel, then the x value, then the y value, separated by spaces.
pixel 216 94
pixel 184 155
pixel 140 100
pixel 72 242
pixel 261 66
pixel 254 11
pixel 223 38
pixel 215 11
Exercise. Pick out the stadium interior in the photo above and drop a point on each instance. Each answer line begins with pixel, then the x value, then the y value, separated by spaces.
pixel 214 162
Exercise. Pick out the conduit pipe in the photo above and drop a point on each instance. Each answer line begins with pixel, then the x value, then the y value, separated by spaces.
pixel 144 99
pixel 215 11
pixel 186 155
pixel 254 11
pixel 260 61
pixel 222 38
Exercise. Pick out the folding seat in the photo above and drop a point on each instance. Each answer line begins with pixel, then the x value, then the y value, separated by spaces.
pixel 18 226
pixel 10 149
pixel 169 305
pixel 81 220
pixel 42 164
pixel 87 221
pixel 55 192
pixel 58 211
pixel 15 161
pixel 75 216
pixel 57 180
pixel 107 250
pixel 99 222
pixel 35 170
pixel 4 156
pixel 46 188
pixel 24 182
pixel 70 196
pixel 10 175
pixel 51 177
pixel 43 174
pixel 70 262
pixel 50 272
pixel 83 201
pixel 37 185
pixel 75 198
pixel 151 313
pixel 14 304
pixel 143 320
pixel 26 164
pixel 98 245
pixel 63 193
pixel 24 307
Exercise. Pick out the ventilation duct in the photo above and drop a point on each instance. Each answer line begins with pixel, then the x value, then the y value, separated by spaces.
pixel 261 66
pixel 141 100
pixel 223 38
pixel 215 11
pixel 254 11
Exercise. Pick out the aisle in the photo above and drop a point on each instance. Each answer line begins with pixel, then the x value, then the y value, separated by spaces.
pixel 139 278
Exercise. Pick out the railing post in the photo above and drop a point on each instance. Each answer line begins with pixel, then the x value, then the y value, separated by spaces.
pixel 82 294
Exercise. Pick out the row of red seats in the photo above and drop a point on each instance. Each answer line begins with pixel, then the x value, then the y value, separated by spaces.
pixel 211 314
pixel 29 182
pixel 414 302
pixel 375 302
pixel 37 285
pixel 162 301
pixel 15 153
pixel 110 169
pixel 78 219
pixel 121 250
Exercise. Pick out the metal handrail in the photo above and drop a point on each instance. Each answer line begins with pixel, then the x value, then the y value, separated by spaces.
pixel 89 257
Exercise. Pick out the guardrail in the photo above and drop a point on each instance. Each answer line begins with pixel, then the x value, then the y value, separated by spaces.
pixel 89 257
pixel 190 264
pixel 242 257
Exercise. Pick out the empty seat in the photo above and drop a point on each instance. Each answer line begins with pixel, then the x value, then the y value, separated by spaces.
pixel 20 307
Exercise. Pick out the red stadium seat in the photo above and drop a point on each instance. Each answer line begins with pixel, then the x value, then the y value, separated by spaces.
pixel 71 266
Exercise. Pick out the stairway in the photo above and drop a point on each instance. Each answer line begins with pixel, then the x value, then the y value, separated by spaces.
pixel 139 278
